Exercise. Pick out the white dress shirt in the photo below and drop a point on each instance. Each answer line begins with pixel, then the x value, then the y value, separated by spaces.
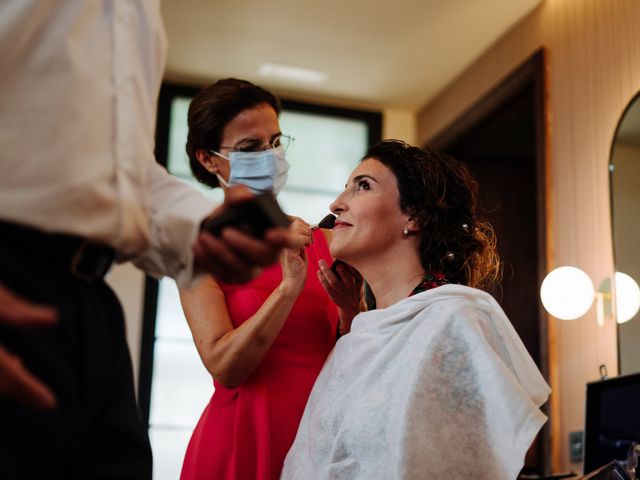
pixel 79 82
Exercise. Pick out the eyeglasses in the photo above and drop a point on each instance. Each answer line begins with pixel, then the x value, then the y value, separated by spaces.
pixel 284 141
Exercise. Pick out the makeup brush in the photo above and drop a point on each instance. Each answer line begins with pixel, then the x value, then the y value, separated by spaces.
pixel 327 222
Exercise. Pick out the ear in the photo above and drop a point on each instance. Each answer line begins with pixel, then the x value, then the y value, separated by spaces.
pixel 412 225
pixel 208 160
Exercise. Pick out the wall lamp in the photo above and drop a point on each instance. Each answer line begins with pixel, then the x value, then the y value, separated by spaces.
pixel 567 293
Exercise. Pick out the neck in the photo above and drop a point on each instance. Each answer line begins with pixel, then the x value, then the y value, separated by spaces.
pixel 392 277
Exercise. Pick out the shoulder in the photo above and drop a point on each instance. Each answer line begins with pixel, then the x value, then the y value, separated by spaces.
pixel 204 285
pixel 454 301
pixel 461 311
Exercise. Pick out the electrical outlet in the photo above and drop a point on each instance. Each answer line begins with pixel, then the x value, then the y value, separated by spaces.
pixel 575 446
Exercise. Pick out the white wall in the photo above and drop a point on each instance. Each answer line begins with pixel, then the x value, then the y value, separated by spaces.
pixel 399 124
pixel 128 284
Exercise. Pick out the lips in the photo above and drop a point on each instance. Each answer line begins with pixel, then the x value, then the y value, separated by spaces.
pixel 341 224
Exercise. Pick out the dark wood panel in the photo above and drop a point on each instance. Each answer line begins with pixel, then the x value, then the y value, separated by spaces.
pixel 502 140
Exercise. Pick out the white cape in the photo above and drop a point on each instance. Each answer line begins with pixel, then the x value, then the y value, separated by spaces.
pixel 437 386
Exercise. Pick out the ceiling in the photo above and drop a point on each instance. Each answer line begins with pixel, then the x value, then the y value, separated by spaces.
pixel 387 54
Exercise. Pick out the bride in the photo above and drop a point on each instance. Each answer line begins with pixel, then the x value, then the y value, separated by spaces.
pixel 434 382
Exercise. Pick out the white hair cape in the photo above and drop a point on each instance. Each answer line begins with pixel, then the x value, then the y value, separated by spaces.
pixel 438 385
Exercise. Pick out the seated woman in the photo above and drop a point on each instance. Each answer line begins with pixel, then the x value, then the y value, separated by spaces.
pixel 435 383
pixel 264 342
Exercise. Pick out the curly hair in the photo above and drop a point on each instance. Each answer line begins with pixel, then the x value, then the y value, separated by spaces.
pixel 212 109
pixel 439 192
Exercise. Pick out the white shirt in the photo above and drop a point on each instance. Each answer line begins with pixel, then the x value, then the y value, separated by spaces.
pixel 438 385
pixel 79 81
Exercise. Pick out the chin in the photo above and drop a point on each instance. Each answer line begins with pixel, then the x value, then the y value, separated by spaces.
pixel 345 255
pixel 338 251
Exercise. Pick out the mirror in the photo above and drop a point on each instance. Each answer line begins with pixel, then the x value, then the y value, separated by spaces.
pixel 624 171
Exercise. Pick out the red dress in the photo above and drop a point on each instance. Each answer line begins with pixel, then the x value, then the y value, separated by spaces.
pixel 245 432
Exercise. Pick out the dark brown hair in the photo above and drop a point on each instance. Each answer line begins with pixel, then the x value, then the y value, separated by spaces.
pixel 439 192
pixel 212 109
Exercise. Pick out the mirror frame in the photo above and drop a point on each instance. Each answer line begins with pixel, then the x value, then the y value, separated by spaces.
pixel 611 168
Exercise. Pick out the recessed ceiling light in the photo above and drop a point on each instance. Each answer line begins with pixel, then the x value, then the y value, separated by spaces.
pixel 291 73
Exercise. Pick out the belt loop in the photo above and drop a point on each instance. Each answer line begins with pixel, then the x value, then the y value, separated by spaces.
pixel 91 262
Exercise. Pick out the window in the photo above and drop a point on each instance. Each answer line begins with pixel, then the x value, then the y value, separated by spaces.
pixel 174 385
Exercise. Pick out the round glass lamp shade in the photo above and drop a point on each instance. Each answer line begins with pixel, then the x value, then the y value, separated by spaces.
pixel 627 297
pixel 567 293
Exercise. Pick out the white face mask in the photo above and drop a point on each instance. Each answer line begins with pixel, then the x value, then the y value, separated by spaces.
pixel 264 171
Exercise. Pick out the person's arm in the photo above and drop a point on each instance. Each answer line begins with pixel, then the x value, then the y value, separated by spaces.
pixel 231 354
pixel 15 380
pixel 179 250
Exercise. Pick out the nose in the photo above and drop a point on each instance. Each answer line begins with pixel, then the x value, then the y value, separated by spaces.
pixel 338 205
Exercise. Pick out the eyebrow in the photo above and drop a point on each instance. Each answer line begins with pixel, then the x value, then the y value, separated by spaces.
pixel 254 139
pixel 361 177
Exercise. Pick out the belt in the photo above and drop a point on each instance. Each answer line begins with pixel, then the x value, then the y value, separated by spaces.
pixel 83 259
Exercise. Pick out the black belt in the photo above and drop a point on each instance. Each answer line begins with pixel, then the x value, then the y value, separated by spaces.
pixel 83 259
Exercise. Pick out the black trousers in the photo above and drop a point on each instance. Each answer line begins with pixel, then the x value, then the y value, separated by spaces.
pixel 95 433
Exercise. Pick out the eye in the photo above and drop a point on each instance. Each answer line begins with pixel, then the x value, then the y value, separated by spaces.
pixel 363 184
pixel 248 146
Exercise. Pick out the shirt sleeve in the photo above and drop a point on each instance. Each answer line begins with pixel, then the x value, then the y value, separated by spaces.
pixel 175 213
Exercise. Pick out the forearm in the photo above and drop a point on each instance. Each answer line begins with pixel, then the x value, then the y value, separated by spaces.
pixel 175 212
pixel 236 354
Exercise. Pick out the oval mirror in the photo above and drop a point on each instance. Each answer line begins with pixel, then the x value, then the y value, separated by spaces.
pixel 624 171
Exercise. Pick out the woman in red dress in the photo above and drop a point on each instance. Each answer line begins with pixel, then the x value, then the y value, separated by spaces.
pixel 264 342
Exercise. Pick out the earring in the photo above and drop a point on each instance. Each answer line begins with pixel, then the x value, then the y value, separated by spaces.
pixel 405 232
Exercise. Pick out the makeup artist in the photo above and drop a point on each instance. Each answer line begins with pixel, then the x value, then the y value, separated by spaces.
pixel 265 342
